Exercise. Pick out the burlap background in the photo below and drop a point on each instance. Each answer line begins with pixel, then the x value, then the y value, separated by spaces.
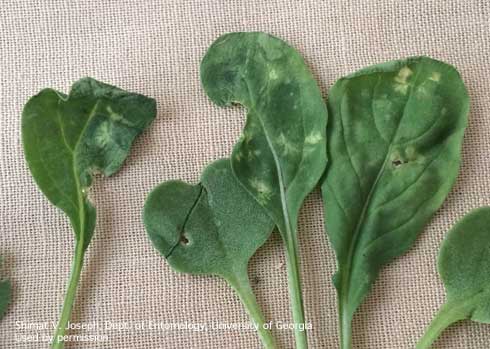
pixel 154 47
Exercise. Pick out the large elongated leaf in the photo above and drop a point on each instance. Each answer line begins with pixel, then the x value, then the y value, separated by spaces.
pixel 67 139
pixel 213 227
pixel 281 154
pixel 394 143
pixel 464 266
pixel 282 151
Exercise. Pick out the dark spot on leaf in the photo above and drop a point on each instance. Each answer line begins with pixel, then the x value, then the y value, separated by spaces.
pixel 184 240
pixel 397 163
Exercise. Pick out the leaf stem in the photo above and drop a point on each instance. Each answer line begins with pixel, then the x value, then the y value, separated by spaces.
pixel 447 315
pixel 295 292
pixel 345 324
pixel 241 283
pixel 69 297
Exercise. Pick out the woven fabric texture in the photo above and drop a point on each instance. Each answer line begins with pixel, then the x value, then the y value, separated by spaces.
pixel 154 48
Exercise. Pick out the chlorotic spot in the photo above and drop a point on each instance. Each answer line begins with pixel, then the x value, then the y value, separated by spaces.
pixel 264 191
pixel 401 80
pixel 436 76
pixel 273 74
pixel 313 138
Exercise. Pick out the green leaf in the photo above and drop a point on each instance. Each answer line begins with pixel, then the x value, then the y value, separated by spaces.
pixel 214 228
pixel 281 154
pixel 5 295
pixel 464 266
pixel 394 143
pixel 69 138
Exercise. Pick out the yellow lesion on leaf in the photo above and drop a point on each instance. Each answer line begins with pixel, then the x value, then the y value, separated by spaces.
pixel 401 80
pixel 114 116
pixel 273 74
pixel 314 137
pixel 287 147
pixel 103 134
pixel 435 76
pixel 263 190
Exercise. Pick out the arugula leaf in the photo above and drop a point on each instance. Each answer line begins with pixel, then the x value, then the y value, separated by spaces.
pixel 5 295
pixel 464 266
pixel 66 140
pixel 213 228
pixel 394 143
pixel 281 154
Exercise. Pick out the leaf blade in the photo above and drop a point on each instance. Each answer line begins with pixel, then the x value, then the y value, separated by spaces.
pixel 464 265
pixel 285 122
pixel 394 127
pixel 67 138
pixel 215 217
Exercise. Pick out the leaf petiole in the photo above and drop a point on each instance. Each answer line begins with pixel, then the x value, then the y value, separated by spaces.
pixel 295 292
pixel 345 324
pixel 447 315
pixel 77 266
pixel 241 284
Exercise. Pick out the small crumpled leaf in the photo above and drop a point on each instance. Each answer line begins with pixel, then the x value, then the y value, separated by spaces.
pixel 213 227
pixel 67 139
pixel 464 267
pixel 394 145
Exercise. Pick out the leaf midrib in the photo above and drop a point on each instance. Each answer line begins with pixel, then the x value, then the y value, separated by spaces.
pixel 282 188
pixel 80 194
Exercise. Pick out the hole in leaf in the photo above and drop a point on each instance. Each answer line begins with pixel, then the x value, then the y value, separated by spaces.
pixel 398 162
pixel 184 240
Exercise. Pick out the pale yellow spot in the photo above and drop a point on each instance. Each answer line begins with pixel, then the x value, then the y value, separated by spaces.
pixel 401 80
pixel 114 116
pixel 395 155
pixel 264 192
pixel 273 74
pixel 411 152
pixel 443 111
pixel 403 75
pixel 103 134
pixel 401 89
pixel 422 92
pixel 436 76
pixel 313 138
pixel 287 147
